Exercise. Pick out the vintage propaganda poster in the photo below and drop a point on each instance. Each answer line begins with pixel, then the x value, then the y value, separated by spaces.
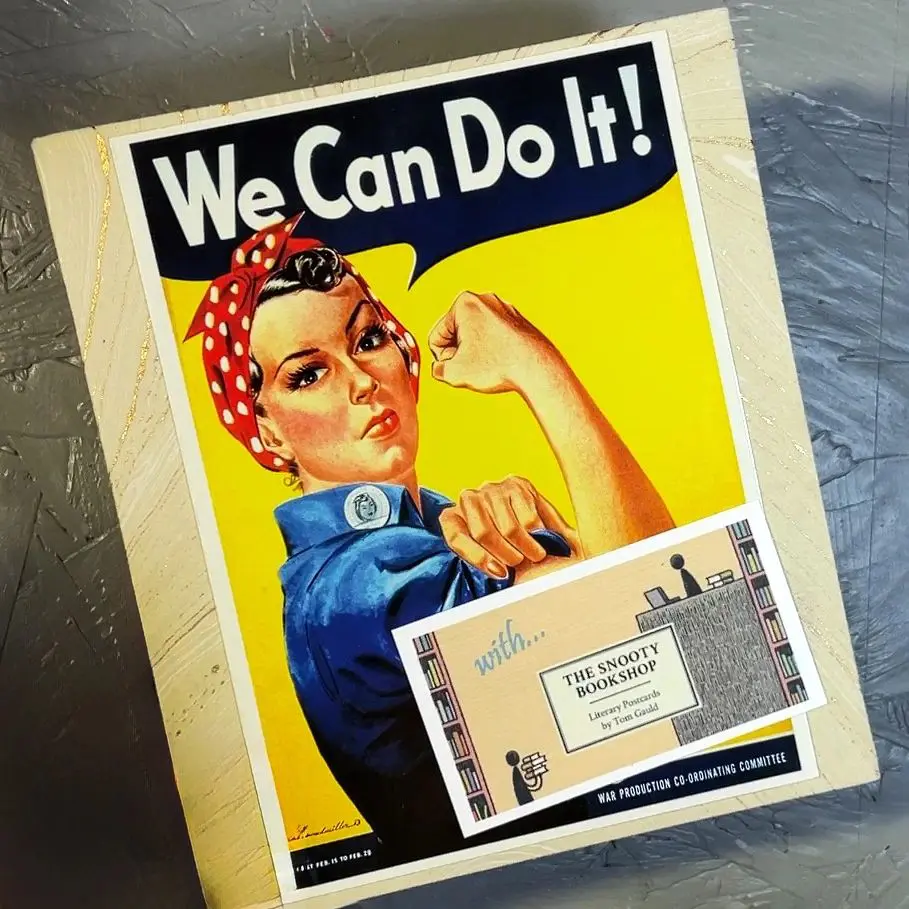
pixel 536 694
pixel 443 341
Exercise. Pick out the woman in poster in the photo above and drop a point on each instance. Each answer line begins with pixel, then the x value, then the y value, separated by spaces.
pixel 317 379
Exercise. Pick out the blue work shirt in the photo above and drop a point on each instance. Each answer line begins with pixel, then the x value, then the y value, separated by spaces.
pixel 361 561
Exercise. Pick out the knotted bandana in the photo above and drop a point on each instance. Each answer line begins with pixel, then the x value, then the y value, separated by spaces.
pixel 225 317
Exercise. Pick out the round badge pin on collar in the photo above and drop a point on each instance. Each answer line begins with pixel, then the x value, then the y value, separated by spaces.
pixel 367 508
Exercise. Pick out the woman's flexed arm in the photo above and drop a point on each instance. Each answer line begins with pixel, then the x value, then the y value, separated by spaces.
pixel 485 344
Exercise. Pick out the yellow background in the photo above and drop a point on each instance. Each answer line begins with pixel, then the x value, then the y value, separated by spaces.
pixel 619 294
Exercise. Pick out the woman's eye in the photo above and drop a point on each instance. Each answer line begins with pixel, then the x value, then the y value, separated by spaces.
pixel 306 376
pixel 372 338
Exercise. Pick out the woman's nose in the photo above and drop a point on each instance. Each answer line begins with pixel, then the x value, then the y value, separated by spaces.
pixel 363 385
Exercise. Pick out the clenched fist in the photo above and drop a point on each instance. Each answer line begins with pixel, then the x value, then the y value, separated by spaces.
pixel 485 344
pixel 490 527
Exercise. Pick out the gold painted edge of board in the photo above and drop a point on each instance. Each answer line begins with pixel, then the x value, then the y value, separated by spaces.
pixel 165 557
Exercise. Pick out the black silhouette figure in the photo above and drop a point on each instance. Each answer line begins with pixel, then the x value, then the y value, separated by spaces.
pixel 522 791
pixel 692 588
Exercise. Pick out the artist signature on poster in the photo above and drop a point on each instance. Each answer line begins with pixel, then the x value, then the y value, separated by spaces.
pixel 304 832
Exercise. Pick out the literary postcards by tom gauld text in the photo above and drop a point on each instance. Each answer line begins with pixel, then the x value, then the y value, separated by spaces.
pixel 445 340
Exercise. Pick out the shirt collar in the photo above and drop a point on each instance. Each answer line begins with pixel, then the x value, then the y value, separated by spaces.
pixel 311 519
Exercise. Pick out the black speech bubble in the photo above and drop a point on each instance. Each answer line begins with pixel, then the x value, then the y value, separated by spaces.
pixel 435 228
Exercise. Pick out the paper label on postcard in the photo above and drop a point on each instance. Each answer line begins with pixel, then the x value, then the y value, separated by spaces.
pixel 619 689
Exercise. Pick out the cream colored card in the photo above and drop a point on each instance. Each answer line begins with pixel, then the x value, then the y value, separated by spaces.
pixel 604 670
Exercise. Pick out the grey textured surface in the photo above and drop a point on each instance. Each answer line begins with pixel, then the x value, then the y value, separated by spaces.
pixel 720 634
pixel 88 811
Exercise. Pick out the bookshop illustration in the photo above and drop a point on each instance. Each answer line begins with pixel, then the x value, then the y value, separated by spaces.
pixel 725 619
pixel 731 633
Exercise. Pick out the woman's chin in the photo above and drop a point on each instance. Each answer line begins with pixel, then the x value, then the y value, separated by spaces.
pixel 397 462
pixel 386 462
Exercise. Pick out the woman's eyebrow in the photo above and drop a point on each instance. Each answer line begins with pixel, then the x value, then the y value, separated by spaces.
pixel 307 351
pixel 354 314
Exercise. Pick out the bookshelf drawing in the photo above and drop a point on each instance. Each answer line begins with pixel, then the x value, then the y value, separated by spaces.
pixel 454 727
pixel 759 587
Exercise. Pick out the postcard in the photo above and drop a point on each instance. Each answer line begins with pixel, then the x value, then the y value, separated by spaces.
pixel 426 344
pixel 647 654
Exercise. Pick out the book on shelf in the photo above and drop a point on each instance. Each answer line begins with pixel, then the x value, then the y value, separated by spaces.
pixel 469 777
pixel 467 781
pixel 752 560
pixel 787 661
pixel 776 629
pixel 432 672
pixel 741 529
pixel 764 595
pixel 458 742
pixel 480 807
pixel 797 692
pixel 444 707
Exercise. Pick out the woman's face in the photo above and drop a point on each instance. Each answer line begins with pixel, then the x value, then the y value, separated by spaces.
pixel 336 392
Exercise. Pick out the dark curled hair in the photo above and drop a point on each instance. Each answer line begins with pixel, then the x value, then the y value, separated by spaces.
pixel 313 269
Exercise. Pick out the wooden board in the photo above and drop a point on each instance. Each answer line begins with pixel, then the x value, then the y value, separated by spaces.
pixel 175 600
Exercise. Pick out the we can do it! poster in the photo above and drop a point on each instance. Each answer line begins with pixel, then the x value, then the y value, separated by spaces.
pixel 426 344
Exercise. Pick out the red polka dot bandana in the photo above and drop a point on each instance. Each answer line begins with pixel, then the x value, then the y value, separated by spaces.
pixel 224 319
